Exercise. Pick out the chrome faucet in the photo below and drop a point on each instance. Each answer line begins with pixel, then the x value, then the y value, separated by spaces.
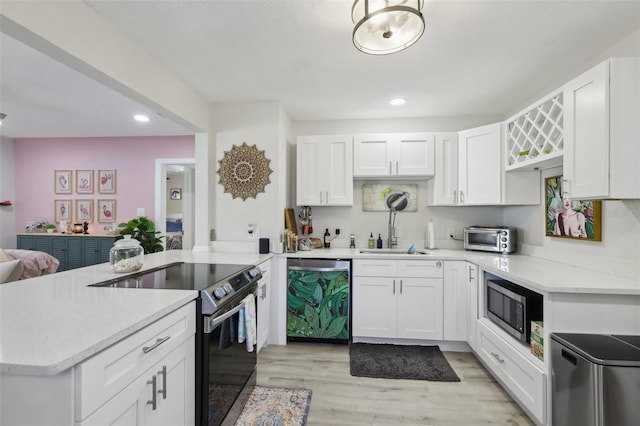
pixel 393 239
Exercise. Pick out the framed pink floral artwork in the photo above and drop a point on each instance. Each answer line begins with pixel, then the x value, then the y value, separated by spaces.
pixel 62 181
pixel 106 211
pixel 84 211
pixel 84 181
pixel 106 181
pixel 61 210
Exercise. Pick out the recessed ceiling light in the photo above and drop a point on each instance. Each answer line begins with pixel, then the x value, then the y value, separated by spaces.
pixel 397 101
pixel 141 118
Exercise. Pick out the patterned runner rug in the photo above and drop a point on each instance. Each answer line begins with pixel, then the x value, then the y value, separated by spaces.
pixel 276 406
pixel 400 362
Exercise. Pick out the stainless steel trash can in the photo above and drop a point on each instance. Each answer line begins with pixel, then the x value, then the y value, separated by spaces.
pixel 595 379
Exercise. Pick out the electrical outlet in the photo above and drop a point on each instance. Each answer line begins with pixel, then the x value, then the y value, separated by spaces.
pixel 450 233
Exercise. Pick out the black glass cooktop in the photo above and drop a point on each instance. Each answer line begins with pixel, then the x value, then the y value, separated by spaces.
pixel 179 276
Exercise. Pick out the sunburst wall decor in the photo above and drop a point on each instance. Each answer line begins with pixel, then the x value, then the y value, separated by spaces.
pixel 244 171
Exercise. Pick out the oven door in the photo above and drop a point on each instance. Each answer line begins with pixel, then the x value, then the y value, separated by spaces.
pixel 228 369
pixel 482 239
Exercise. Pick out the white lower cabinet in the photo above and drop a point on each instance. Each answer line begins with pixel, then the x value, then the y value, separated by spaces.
pixel 397 299
pixel 473 304
pixel 160 396
pixel 459 303
pixel 116 386
pixel 523 379
pixel 264 302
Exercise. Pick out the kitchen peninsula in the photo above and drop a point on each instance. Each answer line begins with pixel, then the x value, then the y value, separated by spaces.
pixel 88 346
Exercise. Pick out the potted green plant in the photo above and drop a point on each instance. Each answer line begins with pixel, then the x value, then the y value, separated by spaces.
pixel 50 227
pixel 144 230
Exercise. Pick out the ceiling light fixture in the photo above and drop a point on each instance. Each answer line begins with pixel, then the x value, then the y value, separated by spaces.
pixel 141 118
pixel 386 26
pixel 397 101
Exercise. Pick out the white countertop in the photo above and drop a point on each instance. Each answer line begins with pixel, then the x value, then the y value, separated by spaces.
pixel 532 272
pixel 52 322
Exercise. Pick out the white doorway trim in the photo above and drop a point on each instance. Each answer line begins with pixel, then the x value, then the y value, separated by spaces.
pixel 188 201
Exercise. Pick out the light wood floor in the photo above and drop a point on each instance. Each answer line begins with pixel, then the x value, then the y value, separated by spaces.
pixel 340 399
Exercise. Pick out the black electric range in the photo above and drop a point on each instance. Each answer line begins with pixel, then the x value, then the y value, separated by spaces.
pixel 217 283
pixel 225 366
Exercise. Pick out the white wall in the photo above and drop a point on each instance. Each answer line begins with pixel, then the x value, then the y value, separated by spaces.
pixel 263 125
pixel 7 192
pixel 618 253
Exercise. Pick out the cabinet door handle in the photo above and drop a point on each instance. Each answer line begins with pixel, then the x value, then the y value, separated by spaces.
pixel 461 197
pixel 390 167
pixel 565 186
pixel 394 286
pixel 397 167
pixel 320 197
pixel 497 357
pixel 400 286
pixel 159 341
pixel 470 276
pixel 153 401
pixel 163 391
pixel 326 197
pixel 438 264
pixel 455 197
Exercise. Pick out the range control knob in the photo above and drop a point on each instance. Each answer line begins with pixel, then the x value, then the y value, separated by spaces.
pixel 504 246
pixel 219 292
pixel 254 272
pixel 228 288
pixel 504 232
pixel 504 239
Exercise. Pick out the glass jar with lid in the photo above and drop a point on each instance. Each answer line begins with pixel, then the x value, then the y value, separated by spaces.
pixel 126 255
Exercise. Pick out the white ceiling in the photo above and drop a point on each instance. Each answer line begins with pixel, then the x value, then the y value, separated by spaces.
pixel 475 58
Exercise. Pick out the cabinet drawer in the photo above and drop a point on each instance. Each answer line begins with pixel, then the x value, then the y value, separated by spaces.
pixel 521 377
pixel 375 268
pixel 108 372
pixel 420 268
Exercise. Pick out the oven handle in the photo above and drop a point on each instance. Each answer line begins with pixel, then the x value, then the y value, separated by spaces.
pixel 216 321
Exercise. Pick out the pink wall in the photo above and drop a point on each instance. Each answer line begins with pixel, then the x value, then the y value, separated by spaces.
pixel 132 158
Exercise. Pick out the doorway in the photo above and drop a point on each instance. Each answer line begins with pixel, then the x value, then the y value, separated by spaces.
pixel 175 188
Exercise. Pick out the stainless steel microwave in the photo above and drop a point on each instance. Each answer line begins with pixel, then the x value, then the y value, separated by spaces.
pixel 512 307
pixel 497 239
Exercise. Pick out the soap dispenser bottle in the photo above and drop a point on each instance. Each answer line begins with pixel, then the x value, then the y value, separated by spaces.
pixel 379 241
pixel 372 241
pixel 327 239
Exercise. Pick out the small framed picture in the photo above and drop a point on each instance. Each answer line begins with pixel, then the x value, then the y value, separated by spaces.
pixel 565 218
pixel 106 211
pixel 61 210
pixel 176 193
pixel 84 181
pixel 84 211
pixel 107 181
pixel 62 181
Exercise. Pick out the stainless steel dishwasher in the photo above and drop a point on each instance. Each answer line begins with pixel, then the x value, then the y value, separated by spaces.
pixel 318 300
pixel 596 379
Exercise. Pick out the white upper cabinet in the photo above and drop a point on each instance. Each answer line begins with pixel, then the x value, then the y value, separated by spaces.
pixel 325 170
pixel 602 132
pixel 399 155
pixel 469 171
pixel 442 190
pixel 479 165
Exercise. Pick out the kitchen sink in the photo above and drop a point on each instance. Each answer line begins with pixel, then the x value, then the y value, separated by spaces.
pixel 393 251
